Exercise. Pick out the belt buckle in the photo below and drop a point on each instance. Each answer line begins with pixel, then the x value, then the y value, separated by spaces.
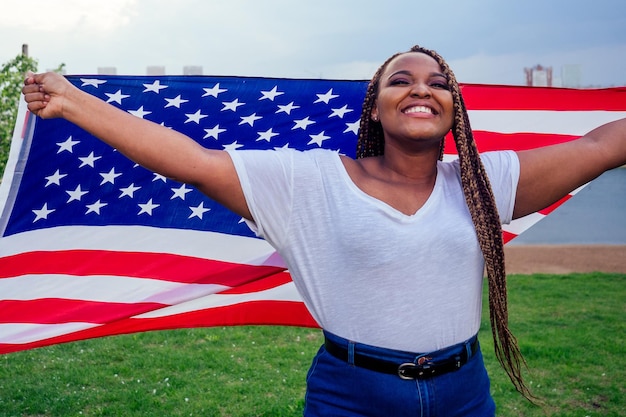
pixel 402 369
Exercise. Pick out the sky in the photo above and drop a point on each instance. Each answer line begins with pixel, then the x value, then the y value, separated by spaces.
pixel 484 41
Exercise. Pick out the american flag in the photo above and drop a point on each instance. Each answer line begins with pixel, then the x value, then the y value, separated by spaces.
pixel 92 244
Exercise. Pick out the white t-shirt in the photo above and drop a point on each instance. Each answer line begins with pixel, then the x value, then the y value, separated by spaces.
pixel 366 271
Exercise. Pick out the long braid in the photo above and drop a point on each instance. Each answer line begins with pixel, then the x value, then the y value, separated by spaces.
pixel 480 202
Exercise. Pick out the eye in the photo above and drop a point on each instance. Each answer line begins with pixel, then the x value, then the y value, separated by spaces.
pixel 398 81
pixel 440 84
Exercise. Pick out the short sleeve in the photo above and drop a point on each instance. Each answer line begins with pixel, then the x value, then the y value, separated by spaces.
pixel 503 170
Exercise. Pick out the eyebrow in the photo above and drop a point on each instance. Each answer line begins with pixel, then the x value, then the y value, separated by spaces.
pixel 406 72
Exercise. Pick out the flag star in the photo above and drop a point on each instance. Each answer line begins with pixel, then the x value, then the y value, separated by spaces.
pixel 198 211
pixel 232 105
pixel 285 146
pixel 267 135
pixel 109 176
pixel 180 192
pixel 213 91
pixel 77 194
pixel 117 97
pixel 353 127
pixel 213 132
pixel 250 119
pixel 155 87
pixel 325 97
pixel 195 117
pixel 140 112
pixel 175 102
pixel 302 123
pixel 89 160
pixel 287 108
pixel 94 82
pixel 340 112
pixel 55 178
pixel 42 213
pixel 318 139
pixel 95 207
pixel 158 177
pixel 67 145
pixel 147 207
pixel 129 191
pixel 232 147
pixel 272 94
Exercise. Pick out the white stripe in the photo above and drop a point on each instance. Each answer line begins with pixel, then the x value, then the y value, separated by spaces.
pixel 575 123
pixel 28 333
pixel 103 289
pixel 285 292
pixel 518 226
pixel 200 244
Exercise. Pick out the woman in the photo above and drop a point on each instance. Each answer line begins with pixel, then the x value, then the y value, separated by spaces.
pixel 388 250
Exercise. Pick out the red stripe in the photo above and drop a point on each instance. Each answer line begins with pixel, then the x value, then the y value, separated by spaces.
pixel 167 267
pixel 57 310
pixel 492 141
pixel 286 313
pixel 554 206
pixel 498 97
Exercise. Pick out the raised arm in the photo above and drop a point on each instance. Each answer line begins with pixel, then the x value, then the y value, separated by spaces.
pixel 155 147
pixel 549 173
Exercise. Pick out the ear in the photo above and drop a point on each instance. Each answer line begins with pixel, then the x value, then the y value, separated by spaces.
pixel 374 113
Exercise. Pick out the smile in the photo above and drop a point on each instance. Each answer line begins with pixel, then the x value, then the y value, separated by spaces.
pixel 419 109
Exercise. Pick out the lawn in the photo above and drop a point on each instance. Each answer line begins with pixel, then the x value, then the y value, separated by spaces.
pixel 571 330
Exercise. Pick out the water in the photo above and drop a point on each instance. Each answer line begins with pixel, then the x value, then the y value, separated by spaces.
pixel 596 216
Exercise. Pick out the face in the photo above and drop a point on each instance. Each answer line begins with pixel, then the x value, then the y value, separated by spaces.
pixel 413 102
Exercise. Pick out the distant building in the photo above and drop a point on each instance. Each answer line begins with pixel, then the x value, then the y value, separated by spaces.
pixel 155 70
pixel 571 76
pixel 192 70
pixel 107 70
pixel 539 76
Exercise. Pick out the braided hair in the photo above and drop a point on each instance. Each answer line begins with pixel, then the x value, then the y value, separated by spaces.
pixel 480 201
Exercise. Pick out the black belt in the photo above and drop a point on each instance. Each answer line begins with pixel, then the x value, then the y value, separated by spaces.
pixel 424 368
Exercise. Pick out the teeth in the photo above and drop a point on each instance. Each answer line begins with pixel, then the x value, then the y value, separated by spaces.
pixel 419 109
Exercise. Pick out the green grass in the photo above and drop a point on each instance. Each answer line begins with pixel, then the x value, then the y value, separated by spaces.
pixel 570 328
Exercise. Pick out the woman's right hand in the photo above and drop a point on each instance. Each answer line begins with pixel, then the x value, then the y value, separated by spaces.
pixel 46 94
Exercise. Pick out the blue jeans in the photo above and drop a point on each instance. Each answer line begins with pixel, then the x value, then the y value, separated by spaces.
pixel 337 388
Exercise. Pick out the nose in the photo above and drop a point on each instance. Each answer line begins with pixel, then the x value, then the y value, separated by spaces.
pixel 420 89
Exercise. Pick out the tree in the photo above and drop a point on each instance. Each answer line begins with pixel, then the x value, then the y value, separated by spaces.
pixel 11 81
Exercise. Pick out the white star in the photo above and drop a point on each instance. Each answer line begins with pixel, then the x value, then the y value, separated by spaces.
pixel 250 119
pixel 129 191
pixel 195 117
pixel 117 97
pixel 285 146
pixel 340 112
pixel 267 135
pixel 155 87
pixel 180 192
pixel 214 91
pixel 232 105
pixel 77 194
pixel 325 97
pixel 109 176
pixel 89 160
pixel 213 132
pixel 353 127
pixel 55 178
pixel 67 145
pixel 94 82
pixel 95 207
pixel 272 94
pixel 42 213
pixel 318 139
pixel 302 123
pixel 147 208
pixel 175 102
pixel 158 177
pixel 287 108
pixel 232 147
pixel 140 112
pixel 198 211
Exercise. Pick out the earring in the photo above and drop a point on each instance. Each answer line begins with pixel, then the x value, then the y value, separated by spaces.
pixel 375 118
